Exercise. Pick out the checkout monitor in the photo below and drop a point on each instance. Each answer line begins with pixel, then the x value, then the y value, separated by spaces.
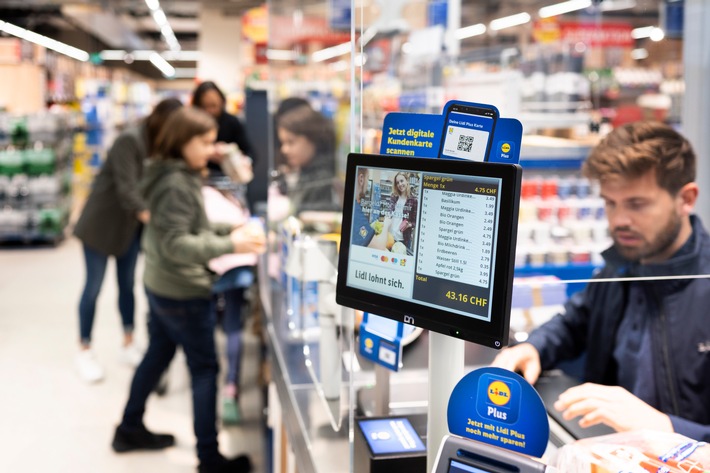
pixel 459 455
pixel 431 243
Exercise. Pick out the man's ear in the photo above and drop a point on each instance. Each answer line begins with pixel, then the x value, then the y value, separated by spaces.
pixel 688 195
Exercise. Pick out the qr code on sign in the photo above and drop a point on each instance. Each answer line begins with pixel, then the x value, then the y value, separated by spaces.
pixel 465 143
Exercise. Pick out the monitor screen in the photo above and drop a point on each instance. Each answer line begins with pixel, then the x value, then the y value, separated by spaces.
pixel 391 435
pixel 431 243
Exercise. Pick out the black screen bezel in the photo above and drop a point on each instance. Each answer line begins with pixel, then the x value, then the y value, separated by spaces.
pixel 494 333
pixel 471 110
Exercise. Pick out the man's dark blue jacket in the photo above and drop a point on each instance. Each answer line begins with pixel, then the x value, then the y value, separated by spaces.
pixel 680 331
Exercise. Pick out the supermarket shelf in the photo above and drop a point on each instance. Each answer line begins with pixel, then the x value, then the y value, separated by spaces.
pixel 570 163
pixel 545 152
pixel 567 272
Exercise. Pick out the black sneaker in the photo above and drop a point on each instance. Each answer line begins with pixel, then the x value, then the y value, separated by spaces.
pixel 240 464
pixel 140 439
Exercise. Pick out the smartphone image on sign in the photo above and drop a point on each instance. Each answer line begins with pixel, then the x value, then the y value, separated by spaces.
pixel 468 131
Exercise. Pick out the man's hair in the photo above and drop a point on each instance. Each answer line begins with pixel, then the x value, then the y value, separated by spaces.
pixel 181 126
pixel 634 149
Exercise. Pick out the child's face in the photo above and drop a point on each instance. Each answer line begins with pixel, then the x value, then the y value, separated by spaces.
pixel 198 150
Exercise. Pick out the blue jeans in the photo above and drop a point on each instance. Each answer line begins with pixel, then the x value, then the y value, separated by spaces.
pixel 190 324
pixel 95 270
pixel 231 303
pixel 229 298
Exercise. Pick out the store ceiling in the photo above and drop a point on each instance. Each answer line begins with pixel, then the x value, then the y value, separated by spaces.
pixel 95 25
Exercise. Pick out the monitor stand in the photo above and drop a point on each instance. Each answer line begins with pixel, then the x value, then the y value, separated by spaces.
pixel 446 368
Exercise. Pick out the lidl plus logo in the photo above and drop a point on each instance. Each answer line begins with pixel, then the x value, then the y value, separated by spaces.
pixel 498 399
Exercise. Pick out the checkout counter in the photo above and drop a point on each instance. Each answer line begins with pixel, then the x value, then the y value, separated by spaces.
pixel 313 416
pixel 316 429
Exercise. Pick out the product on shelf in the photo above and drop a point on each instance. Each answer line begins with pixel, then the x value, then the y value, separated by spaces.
pixel 562 222
pixel 35 178
pixel 535 300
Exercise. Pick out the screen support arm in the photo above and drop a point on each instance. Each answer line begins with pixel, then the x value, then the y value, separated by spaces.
pixel 446 368
pixel 382 390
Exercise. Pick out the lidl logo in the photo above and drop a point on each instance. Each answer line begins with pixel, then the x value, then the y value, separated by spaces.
pixel 505 148
pixel 499 393
pixel 369 344
pixel 498 399
pixel 451 130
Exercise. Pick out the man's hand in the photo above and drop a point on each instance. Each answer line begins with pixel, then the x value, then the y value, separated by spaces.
pixel 610 405
pixel 249 238
pixel 523 358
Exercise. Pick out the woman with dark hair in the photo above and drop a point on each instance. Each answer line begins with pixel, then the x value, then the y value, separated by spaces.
pixel 285 106
pixel 110 225
pixel 178 243
pixel 208 97
pixel 308 145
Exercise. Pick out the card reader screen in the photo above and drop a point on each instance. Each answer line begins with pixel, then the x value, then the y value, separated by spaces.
pixel 457 467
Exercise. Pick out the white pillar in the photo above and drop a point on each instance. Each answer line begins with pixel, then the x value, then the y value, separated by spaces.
pixel 453 23
pixel 696 104
pixel 221 52
pixel 446 368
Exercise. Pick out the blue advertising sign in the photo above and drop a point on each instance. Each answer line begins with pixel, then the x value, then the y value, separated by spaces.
pixel 411 134
pixel 466 130
pixel 388 436
pixel 340 14
pixel 498 407
pixel 381 340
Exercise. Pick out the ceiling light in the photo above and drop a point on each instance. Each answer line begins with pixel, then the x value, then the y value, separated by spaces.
pixel 339 66
pixel 280 55
pixel 181 55
pixel 368 36
pixel 49 43
pixel 615 5
pixel 510 21
pixel 162 65
pixel 638 54
pixel 153 4
pixel 167 31
pixel 144 55
pixel 185 73
pixel 330 53
pixel 564 7
pixel 647 32
pixel 657 34
pixel 470 31
pixel 113 55
pixel 160 18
